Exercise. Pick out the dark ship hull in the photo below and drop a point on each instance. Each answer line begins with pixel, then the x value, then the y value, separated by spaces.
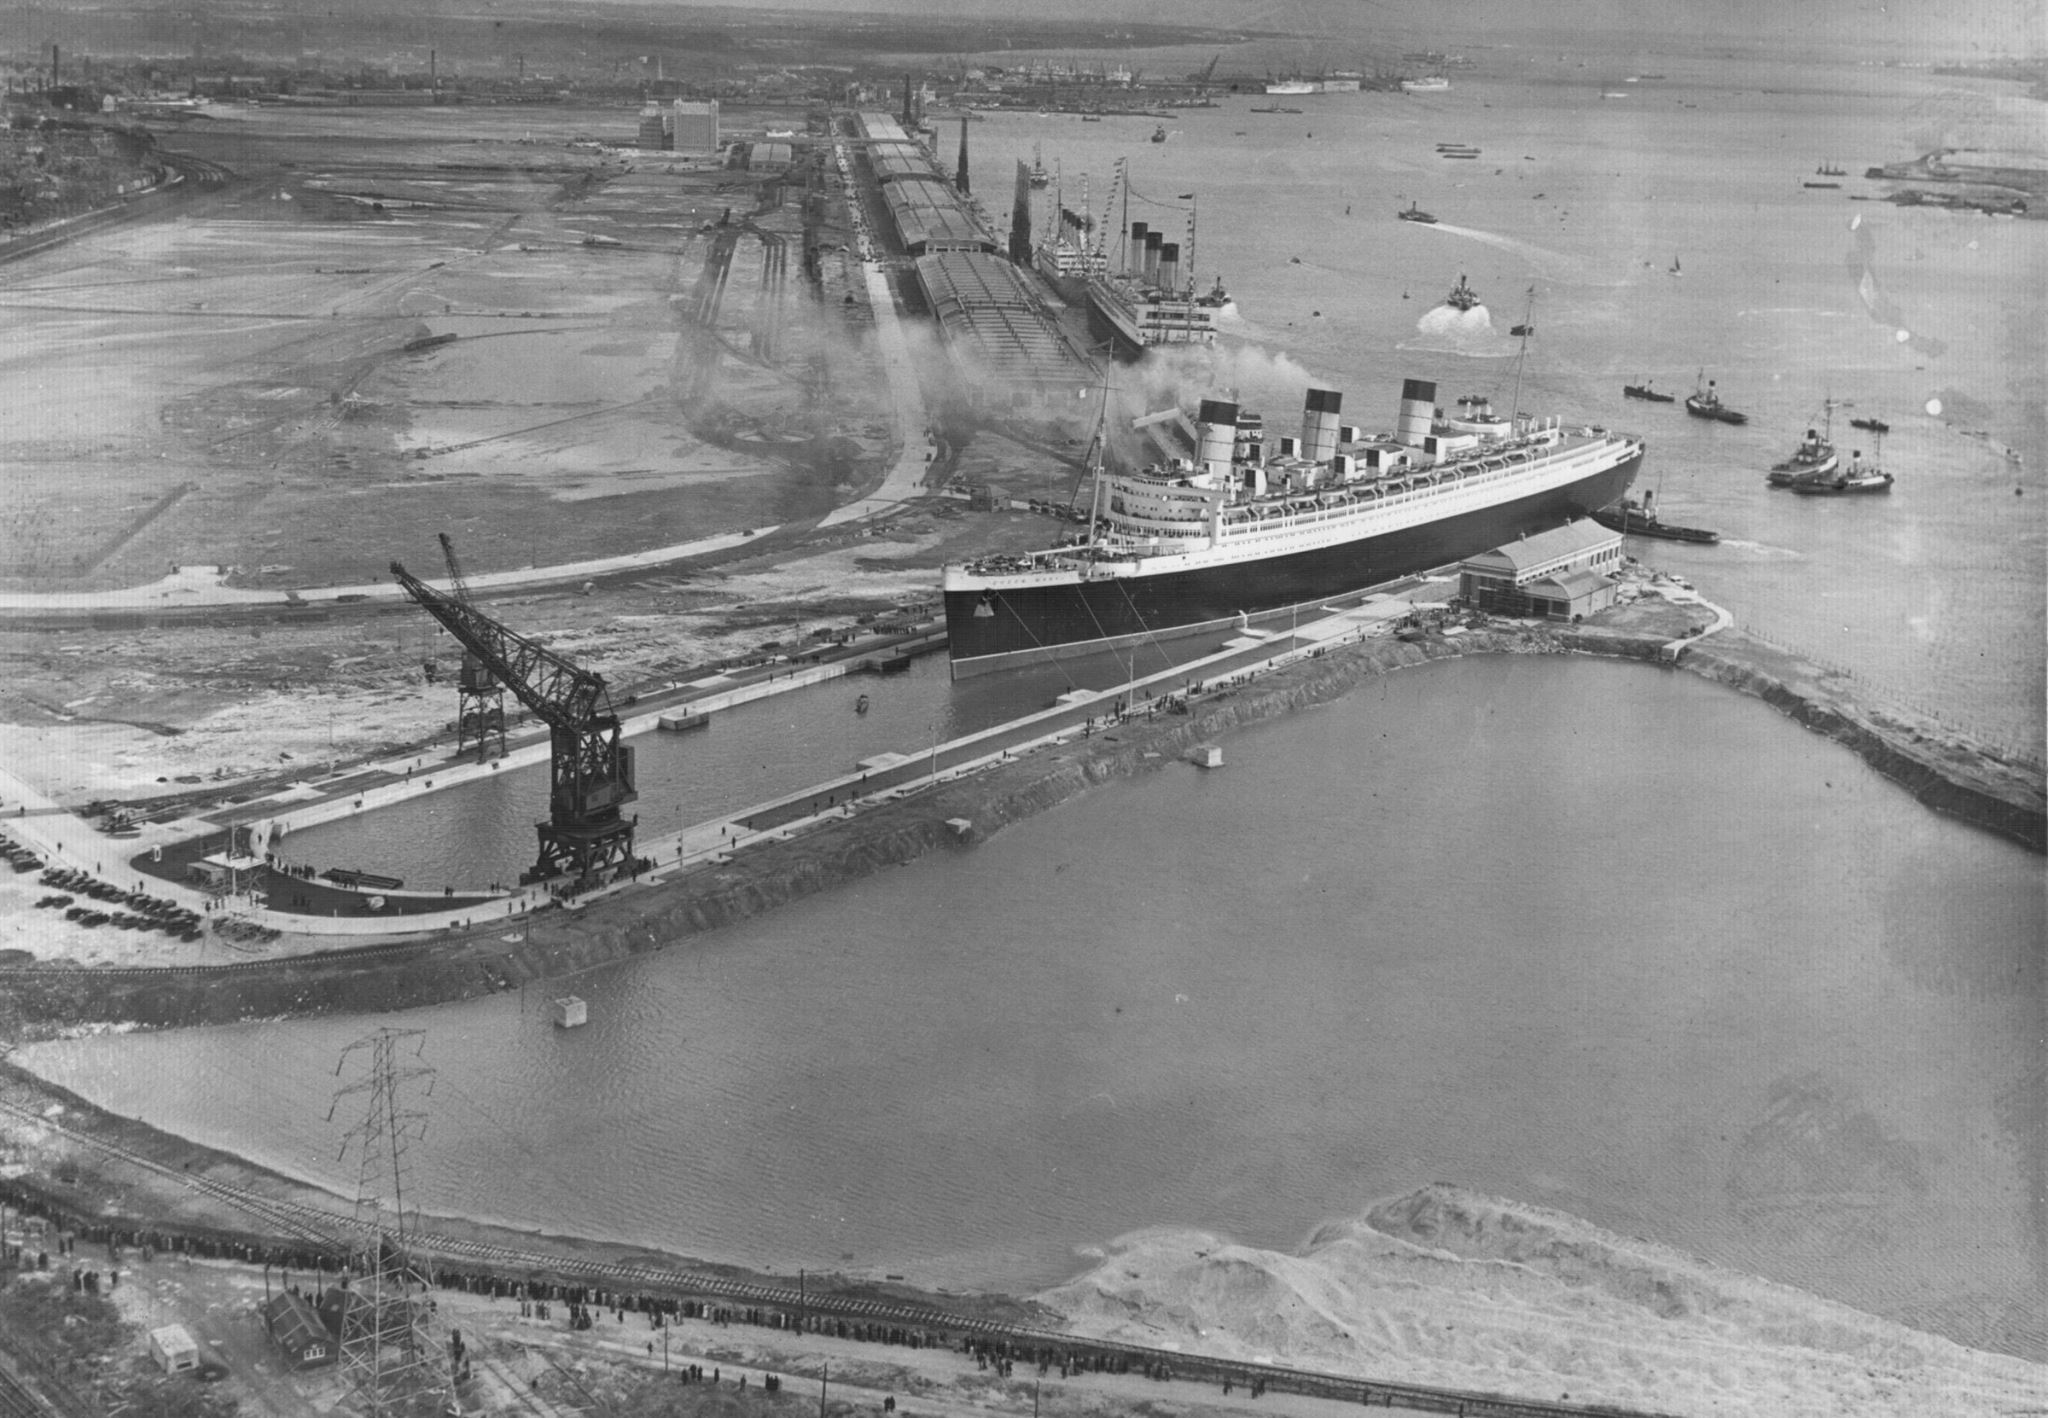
pixel 990 630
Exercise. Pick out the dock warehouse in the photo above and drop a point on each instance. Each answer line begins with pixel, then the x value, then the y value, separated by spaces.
pixel 929 216
pixel 1000 331
pixel 1564 573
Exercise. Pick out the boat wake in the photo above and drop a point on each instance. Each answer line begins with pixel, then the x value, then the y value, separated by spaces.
pixel 1762 550
pixel 1229 322
pixel 1448 330
pixel 1551 265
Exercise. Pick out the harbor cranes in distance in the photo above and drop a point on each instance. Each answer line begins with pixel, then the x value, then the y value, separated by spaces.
pixel 481 695
pixel 586 838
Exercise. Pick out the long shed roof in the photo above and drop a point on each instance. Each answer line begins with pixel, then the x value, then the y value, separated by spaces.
pixel 929 216
pixel 984 308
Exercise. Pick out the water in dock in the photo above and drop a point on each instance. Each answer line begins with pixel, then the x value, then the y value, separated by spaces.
pixel 1517 923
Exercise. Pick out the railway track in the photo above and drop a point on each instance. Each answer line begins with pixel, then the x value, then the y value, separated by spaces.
pixel 15 1399
pixel 329 1231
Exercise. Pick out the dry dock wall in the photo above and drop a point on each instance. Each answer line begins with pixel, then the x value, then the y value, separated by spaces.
pixel 1942 774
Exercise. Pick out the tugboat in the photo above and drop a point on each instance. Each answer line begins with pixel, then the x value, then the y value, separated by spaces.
pixel 1039 177
pixel 1636 519
pixel 1859 476
pixel 1159 134
pixel 1706 404
pixel 1416 214
pixel 1644 391
pixel 1462 296
pixel 1814 458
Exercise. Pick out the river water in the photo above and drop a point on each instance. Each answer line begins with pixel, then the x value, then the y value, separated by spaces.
pixel 1579 933
pixel 1690 972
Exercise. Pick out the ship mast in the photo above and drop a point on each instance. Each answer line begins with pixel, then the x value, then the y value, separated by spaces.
pixel 1521 356
pixel 1193 203
pixel 1098 452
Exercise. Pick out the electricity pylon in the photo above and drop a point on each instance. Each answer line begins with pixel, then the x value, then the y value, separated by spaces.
pixel 392 1361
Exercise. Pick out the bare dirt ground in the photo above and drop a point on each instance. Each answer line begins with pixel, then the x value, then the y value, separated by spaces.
pixel 234 386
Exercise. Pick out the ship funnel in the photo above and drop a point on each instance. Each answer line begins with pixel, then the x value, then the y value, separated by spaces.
pixel 1169 265
pixel 1216 436
pixel 1319 425
pixel 1134 254
pixel 1418 409
pixel 1153 242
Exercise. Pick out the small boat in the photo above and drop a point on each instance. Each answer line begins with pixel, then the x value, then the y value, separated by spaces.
pixel 1637 519
pixel 1706 404
pixel 1462 296
pixel 1674 267
pixel 1159 134
pixel 1091 118
pixel 1821 184
pixel 1416 214
pixel 1644 391
pixel 1814 458
pixel 1871 425
pixel 1518 331
pixel 1859 476
pixel 860 705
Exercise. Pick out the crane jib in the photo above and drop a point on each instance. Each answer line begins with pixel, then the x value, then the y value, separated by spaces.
pixel 586 838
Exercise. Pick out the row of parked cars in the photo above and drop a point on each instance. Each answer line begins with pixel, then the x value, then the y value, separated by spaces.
pixel 145 912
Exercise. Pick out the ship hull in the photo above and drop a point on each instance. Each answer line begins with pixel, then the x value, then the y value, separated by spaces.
pixel 1128 339
pixel 1004 628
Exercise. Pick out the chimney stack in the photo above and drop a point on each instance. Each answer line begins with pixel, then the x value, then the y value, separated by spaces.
pixel 1216 430
pixel 960 174
pixel 1319 424
pixel 1418 411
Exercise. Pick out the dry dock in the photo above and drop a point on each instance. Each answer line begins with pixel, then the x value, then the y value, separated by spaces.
pixel 816 840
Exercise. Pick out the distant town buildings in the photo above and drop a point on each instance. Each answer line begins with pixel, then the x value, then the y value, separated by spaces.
pixel 693 127
pixel 682 126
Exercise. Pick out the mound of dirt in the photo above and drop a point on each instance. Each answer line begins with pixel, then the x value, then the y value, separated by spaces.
pixel 1448 1287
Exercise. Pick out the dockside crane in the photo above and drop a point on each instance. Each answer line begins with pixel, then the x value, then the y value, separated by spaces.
pixel 480 712
pixel 586 838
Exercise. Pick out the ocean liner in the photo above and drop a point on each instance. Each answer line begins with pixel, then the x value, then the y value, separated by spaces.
pixel 1145 296
pixel 1233 535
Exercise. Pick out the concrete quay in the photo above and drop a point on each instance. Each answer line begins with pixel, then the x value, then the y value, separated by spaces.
pixel 941 798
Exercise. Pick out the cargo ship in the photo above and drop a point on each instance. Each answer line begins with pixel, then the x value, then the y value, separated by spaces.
pixel 1233 535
